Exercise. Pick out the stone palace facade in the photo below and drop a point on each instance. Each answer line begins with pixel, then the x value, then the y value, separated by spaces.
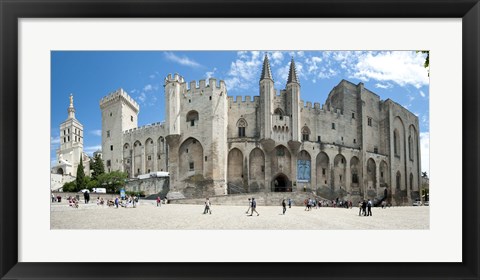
pixel 354 146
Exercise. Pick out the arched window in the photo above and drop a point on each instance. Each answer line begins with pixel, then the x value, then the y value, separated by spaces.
pixel 396 143
pixel 192 117
pixel 241 124
pixel 279 112
pixel 305 133
pixel 397 186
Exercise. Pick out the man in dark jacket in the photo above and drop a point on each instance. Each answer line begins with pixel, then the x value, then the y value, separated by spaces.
pixel 364 207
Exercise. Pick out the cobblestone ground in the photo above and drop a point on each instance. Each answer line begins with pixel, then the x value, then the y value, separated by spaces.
pixel 176 216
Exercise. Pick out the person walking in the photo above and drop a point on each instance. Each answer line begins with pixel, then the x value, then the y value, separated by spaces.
pixel 289 203
pixel 364 207
pixel 254 207
pixel 359 208
pixel 369 207
pixel 284 205
pixel 86 196
pixel 116 202
pixel 249 205
pixel 207 207
pixel 159 201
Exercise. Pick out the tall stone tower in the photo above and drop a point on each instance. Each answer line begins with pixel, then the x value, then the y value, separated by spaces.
pixel 71 145
pixel 119 113
pixel 293 101
pixel 174 87
pixel 267 93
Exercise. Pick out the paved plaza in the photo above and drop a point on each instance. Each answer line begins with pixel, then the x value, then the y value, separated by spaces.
pixel 185 216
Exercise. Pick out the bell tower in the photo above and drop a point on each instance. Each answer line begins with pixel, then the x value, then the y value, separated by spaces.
pixel 267 93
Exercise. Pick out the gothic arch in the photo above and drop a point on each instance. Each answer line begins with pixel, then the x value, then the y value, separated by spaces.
pixel 279 112
pixel 281 183
pixel 305 133
pixel 399 138
pixel 127 158
pixel 190 155
pixel 160 157
pixel 398 181
pixel 192 117
pixel 413 143
pixel 149 155
pixel 235 168
pixel 161 145
pixel 137 158
pixel 323 169
pixel 304 166
pixel 339 171
pixel 242 126
pixel 384 174
pixel 355 171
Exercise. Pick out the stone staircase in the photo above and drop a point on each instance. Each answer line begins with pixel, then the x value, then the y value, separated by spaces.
pixel 262 198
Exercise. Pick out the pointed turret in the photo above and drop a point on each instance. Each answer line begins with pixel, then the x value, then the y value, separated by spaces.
pixel 266 71
pixel 292 74
pixel 71 110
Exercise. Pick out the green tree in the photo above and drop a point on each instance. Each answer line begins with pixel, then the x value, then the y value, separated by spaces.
pixel 80 181
pixel 112 181
pixel 97 167
pixel 91 183
pixel 70 186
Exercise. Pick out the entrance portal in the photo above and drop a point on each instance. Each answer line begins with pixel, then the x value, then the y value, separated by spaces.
pixel 281 184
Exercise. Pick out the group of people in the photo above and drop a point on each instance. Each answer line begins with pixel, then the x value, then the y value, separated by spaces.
pixel 365 208
pixel 128 201
pixel 72 202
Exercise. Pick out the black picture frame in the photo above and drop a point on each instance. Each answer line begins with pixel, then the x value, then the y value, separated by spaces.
pixel 11 11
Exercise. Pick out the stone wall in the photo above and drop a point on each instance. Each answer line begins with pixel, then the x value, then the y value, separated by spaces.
pixel 152 187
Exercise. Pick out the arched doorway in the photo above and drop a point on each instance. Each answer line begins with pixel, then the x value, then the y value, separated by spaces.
pixel 280 183
pixel 60 171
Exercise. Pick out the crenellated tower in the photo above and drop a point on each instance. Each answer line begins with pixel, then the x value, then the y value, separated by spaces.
pixel 293 101
pixel 119 113
pixel 267 93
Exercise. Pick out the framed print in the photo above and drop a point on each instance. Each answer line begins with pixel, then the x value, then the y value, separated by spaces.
pixel 213 151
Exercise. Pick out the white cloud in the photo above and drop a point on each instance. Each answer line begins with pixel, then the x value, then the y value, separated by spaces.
pixel 210 74
pixel 425 151
pixel 244 71
pixel 410 97
pixel 96 132
pixel 184 60
pixel 384 86
pixel 148 87
pixel 55 140
pixel 276 57
pixel 422 94
pixel 142 97
pixel 401 67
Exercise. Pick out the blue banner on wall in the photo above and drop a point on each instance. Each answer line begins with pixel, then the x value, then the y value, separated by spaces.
pixel 303 170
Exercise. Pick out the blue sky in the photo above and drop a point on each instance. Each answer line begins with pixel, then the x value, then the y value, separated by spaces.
pixel 90 75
